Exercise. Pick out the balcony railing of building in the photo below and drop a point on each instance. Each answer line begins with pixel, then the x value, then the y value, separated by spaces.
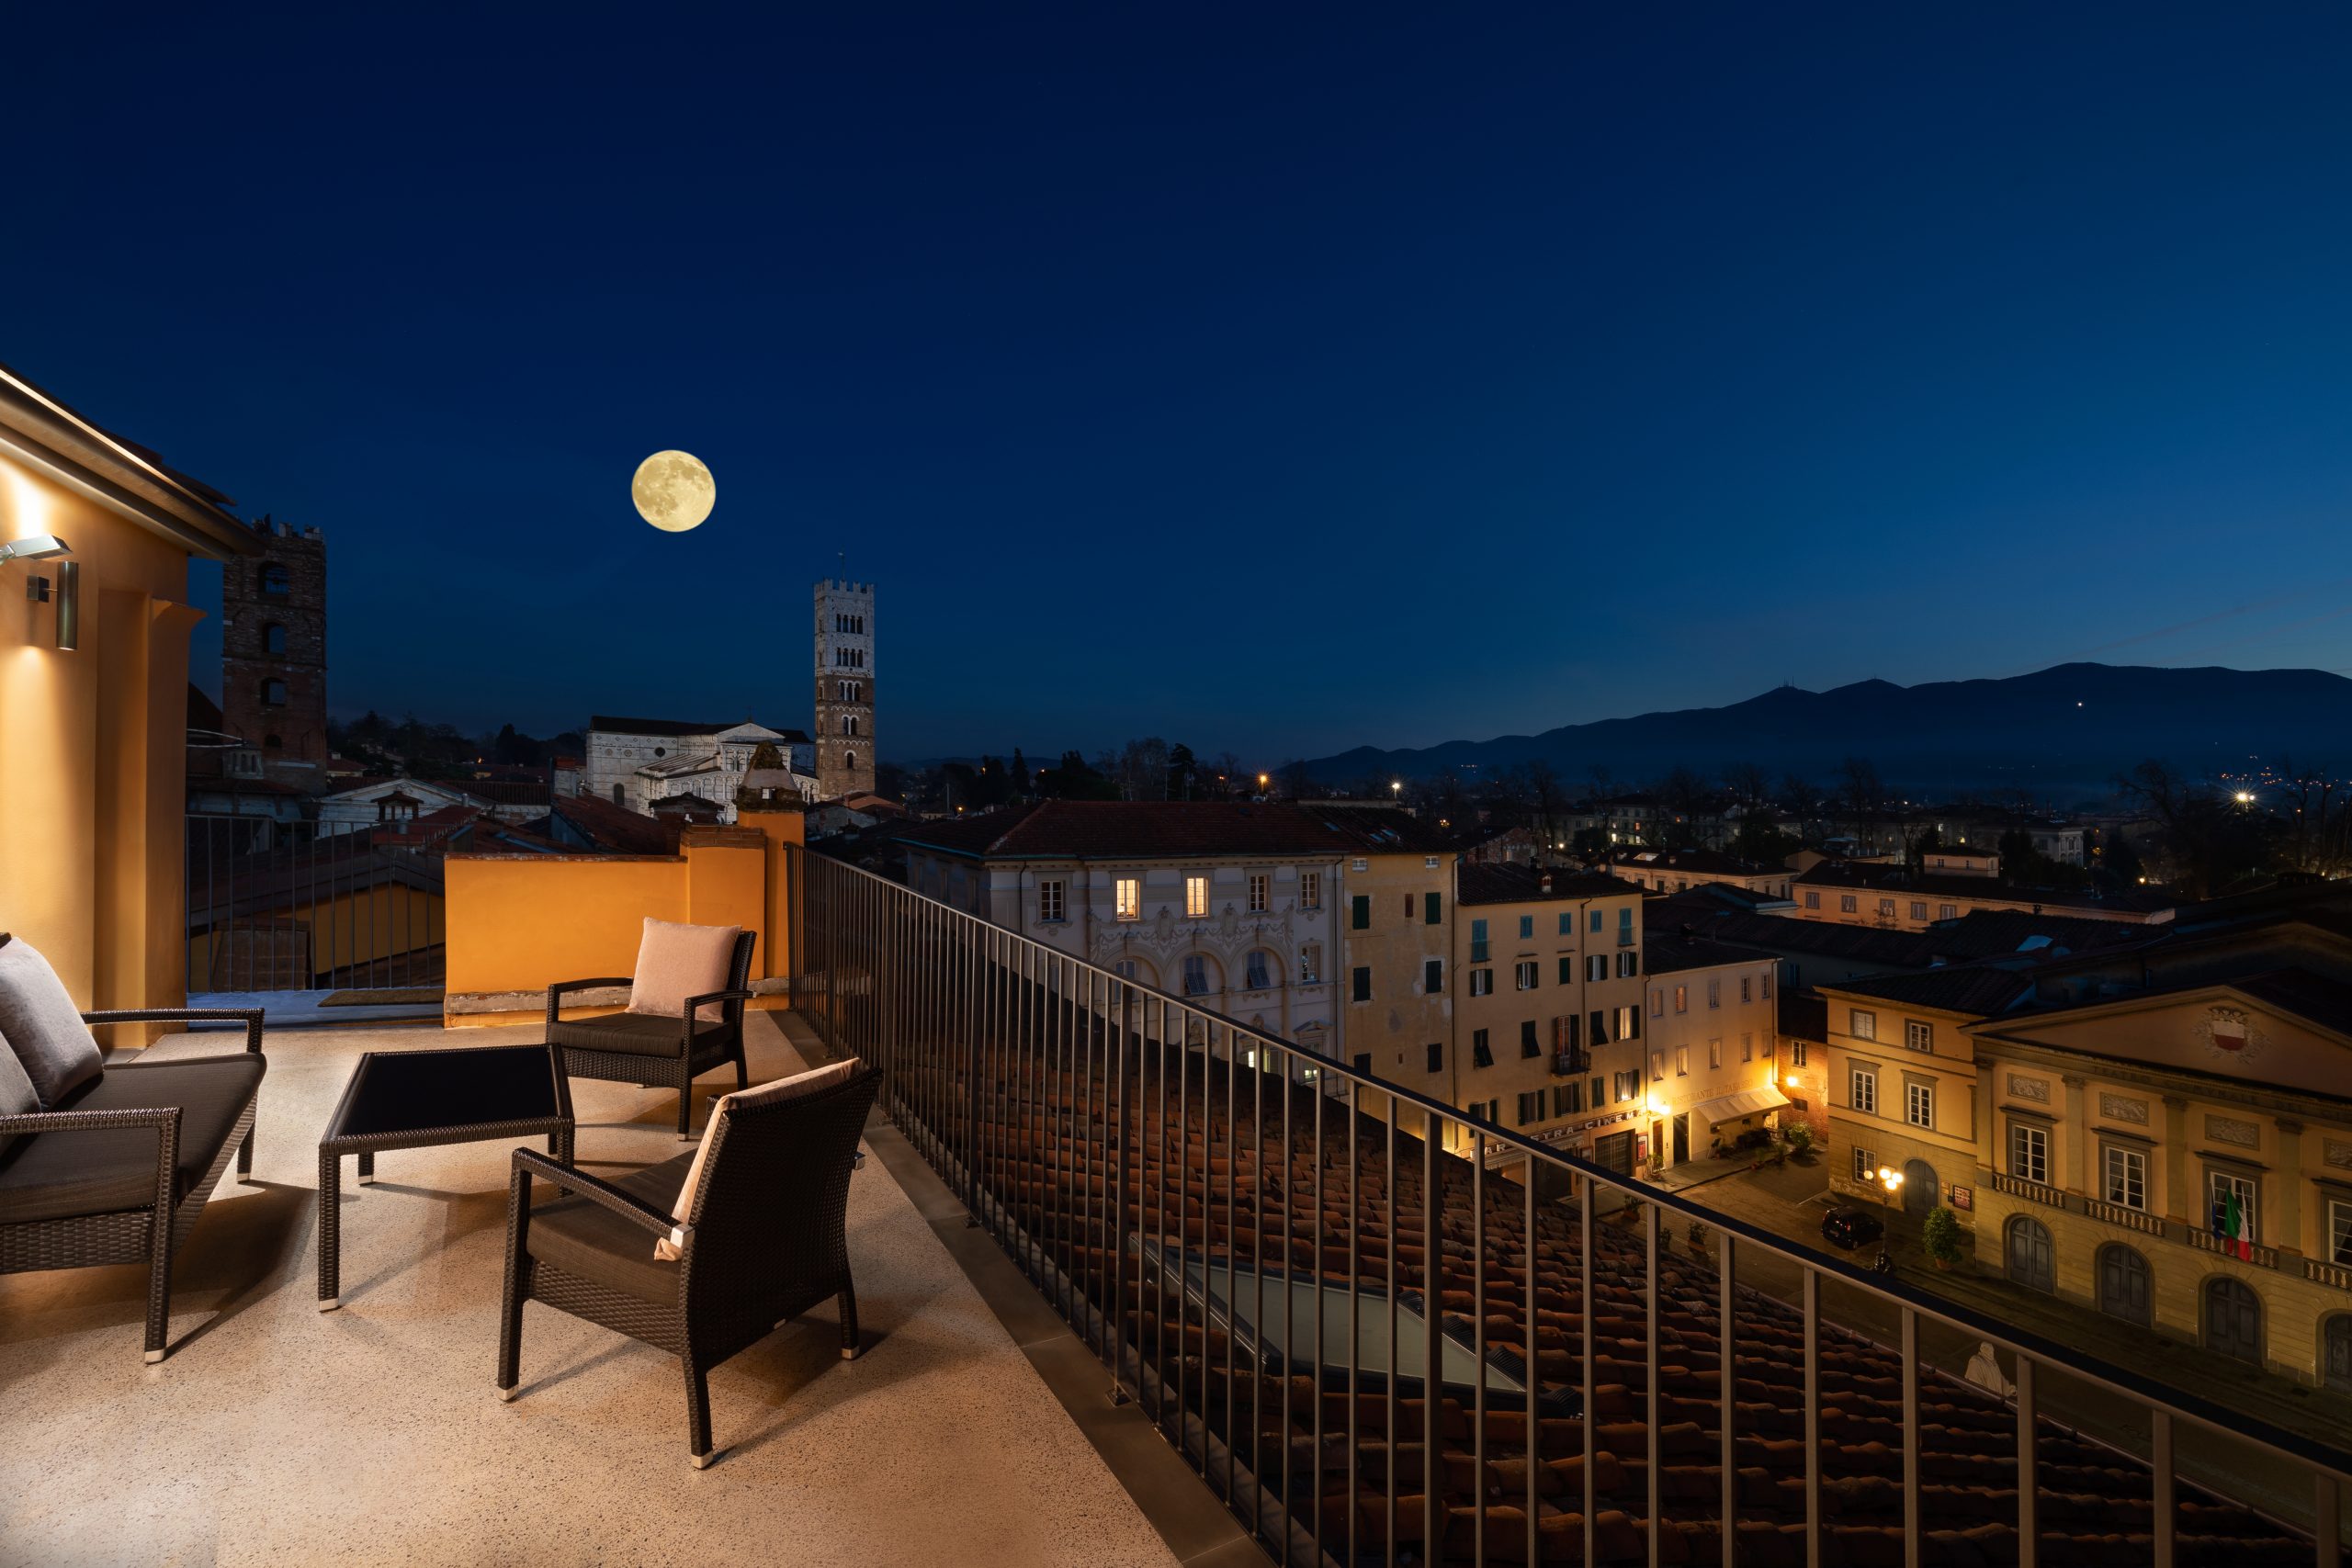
pixel 1386 1332
pixel 275 906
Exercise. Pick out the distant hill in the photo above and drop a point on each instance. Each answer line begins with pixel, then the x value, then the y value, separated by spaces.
pixel 2074 726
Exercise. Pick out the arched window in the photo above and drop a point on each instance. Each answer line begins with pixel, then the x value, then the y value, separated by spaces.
pixel 275 581
pixel 616 796
pixel 849 760
pixel 2232 1319
pixel 2027 1253
pixel 1200 974
pixel 273 639
pixel 2335 1352
pixel 272 743
pixel 849 724
pixel 1139 970
pixel 2126 1288
pixel 273 693
pixel 1260 969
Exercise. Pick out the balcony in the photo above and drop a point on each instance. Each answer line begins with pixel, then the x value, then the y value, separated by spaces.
pixel 1292 1284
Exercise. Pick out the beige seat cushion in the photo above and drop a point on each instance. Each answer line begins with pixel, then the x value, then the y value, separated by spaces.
pixel 675 961
pixel 792 1087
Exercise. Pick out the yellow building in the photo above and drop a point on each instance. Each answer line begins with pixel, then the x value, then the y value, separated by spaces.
pixel 1892 897
pixel 93 696
pixel 1548 1008
pixel 1678 871
pixel 1396 929
pixel 1902 1081
pixel 1710 1039
pixel 2126 1110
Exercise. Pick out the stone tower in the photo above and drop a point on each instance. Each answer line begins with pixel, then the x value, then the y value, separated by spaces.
pixel 844 689
pixel 274 649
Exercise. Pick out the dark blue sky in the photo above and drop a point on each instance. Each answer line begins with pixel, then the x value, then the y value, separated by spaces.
pixel 1269 378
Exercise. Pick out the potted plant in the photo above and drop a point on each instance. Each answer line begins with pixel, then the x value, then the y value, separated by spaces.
pixel 1697 1236
pixel 1800 1137
pixel 1941 1236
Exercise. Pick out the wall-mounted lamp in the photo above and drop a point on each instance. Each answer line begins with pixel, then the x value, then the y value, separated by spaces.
pixel 46 546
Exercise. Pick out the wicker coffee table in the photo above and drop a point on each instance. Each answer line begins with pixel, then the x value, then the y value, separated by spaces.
pixel 414 1100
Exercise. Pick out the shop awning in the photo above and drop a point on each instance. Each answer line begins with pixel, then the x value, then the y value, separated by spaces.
pixel 1731 1107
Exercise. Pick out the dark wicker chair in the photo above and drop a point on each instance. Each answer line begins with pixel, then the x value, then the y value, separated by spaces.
pixel 120 1171
pixel 658 1052
pixel 763 1244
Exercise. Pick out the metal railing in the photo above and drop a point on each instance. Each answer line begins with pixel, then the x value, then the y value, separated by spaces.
pixel 277 907
pixel 1281 1259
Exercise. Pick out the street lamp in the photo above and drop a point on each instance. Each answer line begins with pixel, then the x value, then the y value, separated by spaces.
pixel 1891 1179
pixel 1396 787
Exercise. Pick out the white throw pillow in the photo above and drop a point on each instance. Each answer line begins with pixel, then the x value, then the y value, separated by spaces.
pixel 793 1087
pixel 674 961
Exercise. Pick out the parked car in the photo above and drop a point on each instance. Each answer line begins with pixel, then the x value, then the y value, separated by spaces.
pixel 1850 1227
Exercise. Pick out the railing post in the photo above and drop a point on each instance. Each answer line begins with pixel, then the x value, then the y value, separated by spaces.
pixel 1910 1439
pixel 1727 1386
pixel 1812 1416
pixel 2160 1463
pixel 2029 1484
pixel 1433 1345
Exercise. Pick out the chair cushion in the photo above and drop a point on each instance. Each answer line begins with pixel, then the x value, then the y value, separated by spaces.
pixel 632 1034
pixel 50 1176
pixel 674 961
pixel 42 1026
pixel 581 1238
pixel 781 1089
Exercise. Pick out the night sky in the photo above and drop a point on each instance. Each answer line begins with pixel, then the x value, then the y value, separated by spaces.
pixel 1268 378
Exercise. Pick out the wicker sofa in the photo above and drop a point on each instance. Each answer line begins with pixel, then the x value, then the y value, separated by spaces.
pixel 119 1170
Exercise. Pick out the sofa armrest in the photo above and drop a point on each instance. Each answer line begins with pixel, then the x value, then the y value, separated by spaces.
pixel 603 1194
pixel 165 1120
pixel 695 1004
pixel 250 1017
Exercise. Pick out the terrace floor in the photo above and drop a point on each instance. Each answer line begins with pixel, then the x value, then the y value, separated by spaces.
pixel 277 1433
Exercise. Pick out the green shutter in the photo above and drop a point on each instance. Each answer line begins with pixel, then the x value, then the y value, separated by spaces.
pixel 1431 912
pixel 1360 911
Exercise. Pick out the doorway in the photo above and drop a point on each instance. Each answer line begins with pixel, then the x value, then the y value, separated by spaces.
pixel 1681 1136
pixel 2233 1320
pixel 1921 1190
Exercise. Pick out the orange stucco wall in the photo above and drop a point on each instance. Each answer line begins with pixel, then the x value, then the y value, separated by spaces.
pixel 93 758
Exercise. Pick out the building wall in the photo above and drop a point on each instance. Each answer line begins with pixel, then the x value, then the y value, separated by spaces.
pixel 1901 910
pixel 844 677
pixel 1391 1031
pixel 1572 1112
pixel 1665 879
pixel 1712 1032
pixel 292 734
pixel 93 751
pixel 1947 1068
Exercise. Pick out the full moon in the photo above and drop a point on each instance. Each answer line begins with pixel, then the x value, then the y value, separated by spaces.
pixel 673 492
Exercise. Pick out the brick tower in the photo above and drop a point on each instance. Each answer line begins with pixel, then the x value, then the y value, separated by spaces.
pixel 844 689
pixel 274 649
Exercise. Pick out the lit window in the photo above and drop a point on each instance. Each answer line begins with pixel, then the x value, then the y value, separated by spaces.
pixel 1657 1066
pixel 1886 909
pixel 1714 1052
pixel 1629 1023
pixel 1861 1025
pixel 1682 1060
pixel 1796 1053
pixel 1129 893
pixel 2340 1232
pixel 1310 963
pixel 1049 901
pixel 1846 903
pixel 1865 1165
pixel 1747 1047
pixel 1862 1093
pixel 1482 982
pixel 2127 1178
pixel 1257 886
pixel 1715 992
pixel 2029 1153
pixel 1196 897
pixel 2220 1188
pixel 1919 1105
pixel 1658 1002
pixel 1526 974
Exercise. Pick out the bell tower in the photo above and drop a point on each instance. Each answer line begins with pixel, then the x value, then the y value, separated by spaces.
pixel 845 710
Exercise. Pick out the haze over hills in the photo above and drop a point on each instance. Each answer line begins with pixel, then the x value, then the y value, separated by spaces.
pixel 2071 727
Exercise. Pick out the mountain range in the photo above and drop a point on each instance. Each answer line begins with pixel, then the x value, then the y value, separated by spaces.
pixel 2070 726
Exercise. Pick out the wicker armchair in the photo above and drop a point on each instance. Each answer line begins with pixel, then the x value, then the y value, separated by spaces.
pixel 120 1172
pixel 658 1052
pixel 763 1244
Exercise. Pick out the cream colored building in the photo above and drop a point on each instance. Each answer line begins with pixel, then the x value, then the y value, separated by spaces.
pixel 1678 871
pixel 1895 897
pixel 1712 1039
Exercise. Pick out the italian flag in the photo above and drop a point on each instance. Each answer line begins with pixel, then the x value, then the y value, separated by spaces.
pixel 2229 1224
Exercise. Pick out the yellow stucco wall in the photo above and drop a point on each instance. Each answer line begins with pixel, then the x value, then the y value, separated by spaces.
pixel 93 758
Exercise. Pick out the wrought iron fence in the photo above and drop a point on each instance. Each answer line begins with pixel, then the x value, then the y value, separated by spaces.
pixel 1386 1332
pixel 276 907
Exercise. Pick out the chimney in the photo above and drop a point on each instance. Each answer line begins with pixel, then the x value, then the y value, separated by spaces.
pixel 1547 882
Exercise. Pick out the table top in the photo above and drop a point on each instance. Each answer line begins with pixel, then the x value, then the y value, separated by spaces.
pixel 424 1093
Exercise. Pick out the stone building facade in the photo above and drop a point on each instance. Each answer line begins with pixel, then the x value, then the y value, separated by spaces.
pixel 844 676
pixel 637 762
pixel 273 649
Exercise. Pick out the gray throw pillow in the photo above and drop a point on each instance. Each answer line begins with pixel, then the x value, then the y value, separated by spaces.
pixel 42 1026
pixel 17 1096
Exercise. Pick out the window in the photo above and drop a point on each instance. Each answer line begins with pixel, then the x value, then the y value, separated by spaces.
pixel 276 580
pixel 1748 1046
pixel 1410 905
pixel 1049 901
pixel 1919 909
pixel 1765 980
pixel 1626 1084
pixel 2029 1153
pixel 1629 1023
pixel 1482 982
pixel 1568 923
pixel 1564 1033
pixel 1567 969
pixel 1714 1052
pixel 1310 963
pixel 1886 909
pixel 1748 988
pixel 1596 966
pixel 1432 977
pixel 1796 1053
pixel 1946 911
pixel 1196 975
pixel 1477 942
pixel 849 759
pixel 2220 1187
pixel 1525 971
pixel 1599 1034
pixel 1359 912
pixel 1310 889
pixel 1568 1098
pixel 1530 1107
pixel 1436 1052
pixel 273 639
pixel 1526 927
pixel 1918 1035
pixel 1682 998
pixel 1196 897
pixel 1359 985
pixel 1715 992
pixel 2340 1232
pixel 1258 887
pixel 1845 902
pixel 1256 971
pixel 1865 1165
pixel 1432 909
pixel 1530 1047
pixel 1128 892
pixel 1628 964
pixel 1919 1104
pixel 1861 1025
pixel 1657 1066
pixel 1812 900
pixel 1596 922
pixel 273 693
pixel 1124 969
pixel 1682 1059
pixel 1862 1092
pixel 2127 1177
pixel 2028 1255
pixel 1658 1002
pixel 1481 1053
pixel 1624 925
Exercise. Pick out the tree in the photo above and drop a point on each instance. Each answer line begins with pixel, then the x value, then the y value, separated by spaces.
pixel 1860 796
pixel 1760 839
pixel 1183 772
pixel 2204 838
pixel 1941 1236
pixel 1142 770
pixel 1746 782
pixel 1681 796
pixel 1017 780
pixel 1073 780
